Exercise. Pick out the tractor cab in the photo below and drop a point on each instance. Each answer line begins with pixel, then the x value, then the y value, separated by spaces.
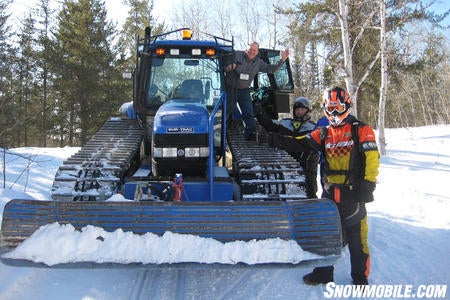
pixel 179 99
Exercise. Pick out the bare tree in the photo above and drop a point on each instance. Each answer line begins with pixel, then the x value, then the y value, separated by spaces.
pixel 347 57
pixel 194 15
pixel 348 61
pixel 223 22
pixel 384 73
pixel 250 17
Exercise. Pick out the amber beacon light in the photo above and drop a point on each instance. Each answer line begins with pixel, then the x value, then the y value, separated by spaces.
pixel 186 34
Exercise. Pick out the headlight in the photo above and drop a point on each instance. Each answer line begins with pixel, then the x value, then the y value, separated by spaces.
pixel 204 151
pixel 192 152
pixel 174 51
pixel 165 152
pixel 187 152
pixel 197 152
pixel 169 152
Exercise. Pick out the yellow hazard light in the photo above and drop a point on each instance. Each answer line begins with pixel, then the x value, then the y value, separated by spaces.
pixel 160 51
pixel 186 34
pixel 210 52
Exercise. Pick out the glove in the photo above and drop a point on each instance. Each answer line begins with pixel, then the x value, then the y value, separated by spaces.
pixel 365 191
pixel 284 142
pixel 311 161
pixel 228 59
pixel 257 108
pixel 273 139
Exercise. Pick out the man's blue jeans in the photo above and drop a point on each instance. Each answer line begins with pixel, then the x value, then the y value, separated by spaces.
pixel 246 106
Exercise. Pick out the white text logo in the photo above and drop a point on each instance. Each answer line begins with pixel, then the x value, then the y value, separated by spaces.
pixel 382 291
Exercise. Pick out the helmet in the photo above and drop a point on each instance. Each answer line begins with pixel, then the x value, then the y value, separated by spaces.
pixel 336 105
pixel 305 103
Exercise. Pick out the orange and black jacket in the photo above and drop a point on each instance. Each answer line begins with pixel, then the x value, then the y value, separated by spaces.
pixel 350 157
pixel 337 147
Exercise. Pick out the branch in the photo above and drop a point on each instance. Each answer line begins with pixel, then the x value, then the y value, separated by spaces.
pixel 369 69
pixel 5 131
pixel 363 28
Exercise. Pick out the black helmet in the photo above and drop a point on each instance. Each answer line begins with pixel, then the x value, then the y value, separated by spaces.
pixel 305 103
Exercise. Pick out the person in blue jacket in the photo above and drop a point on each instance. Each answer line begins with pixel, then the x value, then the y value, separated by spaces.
pixel 291 129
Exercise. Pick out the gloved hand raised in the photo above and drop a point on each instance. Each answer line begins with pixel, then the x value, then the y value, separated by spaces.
pixel 365 191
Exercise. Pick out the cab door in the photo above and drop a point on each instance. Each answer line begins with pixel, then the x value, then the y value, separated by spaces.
pixel 275 91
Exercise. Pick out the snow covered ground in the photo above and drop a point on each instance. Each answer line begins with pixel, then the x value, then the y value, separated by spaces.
pixel 409 237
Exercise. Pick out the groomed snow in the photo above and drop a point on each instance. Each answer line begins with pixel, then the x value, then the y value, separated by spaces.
pixel 409 238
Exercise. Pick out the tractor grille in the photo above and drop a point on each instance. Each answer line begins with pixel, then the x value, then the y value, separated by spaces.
pixel 181 139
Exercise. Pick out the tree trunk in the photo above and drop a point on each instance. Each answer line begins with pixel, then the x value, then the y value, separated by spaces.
pixel 345 33
pixel 383 86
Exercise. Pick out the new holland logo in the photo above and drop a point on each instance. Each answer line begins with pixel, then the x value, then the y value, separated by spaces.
pixel 180 130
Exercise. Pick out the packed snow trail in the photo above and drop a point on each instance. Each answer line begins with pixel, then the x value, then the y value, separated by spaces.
pixel 409 237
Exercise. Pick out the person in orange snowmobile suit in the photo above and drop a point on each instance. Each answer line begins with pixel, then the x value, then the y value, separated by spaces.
pixel 349 171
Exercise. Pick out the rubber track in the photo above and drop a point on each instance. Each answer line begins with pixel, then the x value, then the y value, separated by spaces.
pixel 264 172
pixel 95 172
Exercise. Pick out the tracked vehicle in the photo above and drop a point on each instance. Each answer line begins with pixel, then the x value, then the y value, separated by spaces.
pixel 179 166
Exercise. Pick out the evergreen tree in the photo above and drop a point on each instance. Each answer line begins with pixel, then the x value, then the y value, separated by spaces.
pixel 309 31
pixel 139 17
pixel 7 122
pixel 86 70
pixel 44 49
pixel 26 99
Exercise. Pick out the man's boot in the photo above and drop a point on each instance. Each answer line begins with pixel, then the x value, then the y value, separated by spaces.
pixel 319 275
pixel 360 280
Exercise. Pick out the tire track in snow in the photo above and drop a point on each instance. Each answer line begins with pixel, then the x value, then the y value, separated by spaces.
pixel 159 284
pixel 142 286
pixel 236 285
pixel 177 290
pixel 168 284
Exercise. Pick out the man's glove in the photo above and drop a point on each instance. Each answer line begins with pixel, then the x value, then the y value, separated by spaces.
pixel 365 191
pixel 285 142
pixel 257 108
pixel 311 160
pixel 229 59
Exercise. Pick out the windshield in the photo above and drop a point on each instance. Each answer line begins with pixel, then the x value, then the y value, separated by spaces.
pixel 196 79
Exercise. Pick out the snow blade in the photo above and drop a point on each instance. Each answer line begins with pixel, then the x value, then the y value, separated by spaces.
pixel 313 223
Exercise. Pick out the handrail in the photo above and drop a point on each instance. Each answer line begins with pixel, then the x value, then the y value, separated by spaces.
pixel 211 163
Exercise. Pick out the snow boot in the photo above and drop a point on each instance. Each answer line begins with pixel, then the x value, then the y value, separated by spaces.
pixel 319 275
pixel 360 280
